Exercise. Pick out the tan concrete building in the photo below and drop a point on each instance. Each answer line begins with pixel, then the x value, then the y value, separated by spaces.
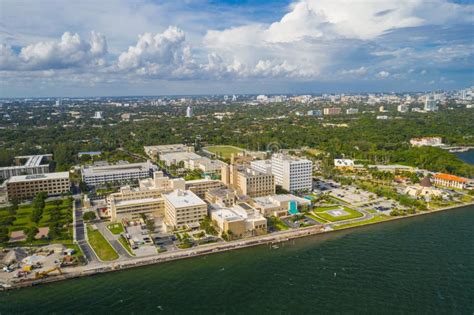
pixel 183 208
pixel 201 186
pixel 224 197
pixel 278 205
pixel 147 198
pixel 247 181
pixel 240 220
pixel 27 186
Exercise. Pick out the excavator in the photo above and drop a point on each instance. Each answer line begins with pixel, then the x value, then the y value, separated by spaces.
pixel 44 274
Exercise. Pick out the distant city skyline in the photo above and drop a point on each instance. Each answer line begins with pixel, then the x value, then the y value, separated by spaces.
pixel 198 47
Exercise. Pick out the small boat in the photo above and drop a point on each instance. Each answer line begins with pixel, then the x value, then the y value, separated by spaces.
pixel 275 246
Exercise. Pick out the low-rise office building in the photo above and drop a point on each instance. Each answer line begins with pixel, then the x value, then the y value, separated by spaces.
pixel 175 158
pixel 279 205
pixel 27 165
pixel 154 151
pixel 237 221
pixel 98 175
pixel 27 186
pixel 183 208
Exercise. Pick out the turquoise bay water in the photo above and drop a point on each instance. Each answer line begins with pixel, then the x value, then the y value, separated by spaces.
pixel 467 156
pixel 420 265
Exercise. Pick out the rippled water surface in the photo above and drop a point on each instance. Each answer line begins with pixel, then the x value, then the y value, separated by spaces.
pixel 419 265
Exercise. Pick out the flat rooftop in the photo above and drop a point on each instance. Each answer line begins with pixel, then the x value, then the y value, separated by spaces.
pixel 183 198
pixel 31 161
pixel 271 201
pixel 38 177
pixel 178 147
pixel 180 156
pixel 118 168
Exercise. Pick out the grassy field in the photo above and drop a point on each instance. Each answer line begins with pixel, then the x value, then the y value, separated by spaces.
pixel 116 228
pixel 379 218
pixel 323 213
pixel 100 245
pixel 125 244
pixel 223 151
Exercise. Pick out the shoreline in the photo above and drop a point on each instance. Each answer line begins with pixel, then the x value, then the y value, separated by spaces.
pixel 274 238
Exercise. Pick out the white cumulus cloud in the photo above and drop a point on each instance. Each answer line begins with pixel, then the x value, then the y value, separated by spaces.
pixel 162 54
pixel 69 51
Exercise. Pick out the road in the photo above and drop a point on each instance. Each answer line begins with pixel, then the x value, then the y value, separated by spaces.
pixel 81 236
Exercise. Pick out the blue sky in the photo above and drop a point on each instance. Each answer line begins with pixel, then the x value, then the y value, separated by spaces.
pixel 145 47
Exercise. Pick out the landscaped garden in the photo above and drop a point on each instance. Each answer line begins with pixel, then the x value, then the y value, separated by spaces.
pixel 39 222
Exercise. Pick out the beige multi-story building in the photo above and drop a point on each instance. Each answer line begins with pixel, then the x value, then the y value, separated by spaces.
pixel 332 111
pixel 183 208
pixel 201 186
pixel 247 181
pixel 146 199
pixel 130 203
pixel 224 197
pixel 27 186
pixel 240 220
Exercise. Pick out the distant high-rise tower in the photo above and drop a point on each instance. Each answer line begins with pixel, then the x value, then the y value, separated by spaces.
pixel 189 112
pixel 430 104
pixel 234 98
pixel 59 102
pixel 98 115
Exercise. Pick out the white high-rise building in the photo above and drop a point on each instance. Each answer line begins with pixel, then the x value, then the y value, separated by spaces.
pixel 59 102
pixel 189 112
pixel 430 104
pixel 234 98
pixel 98 115
pixel 292 173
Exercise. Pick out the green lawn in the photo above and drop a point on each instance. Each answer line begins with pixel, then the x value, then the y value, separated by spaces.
pixel 373 220
pixel 125 244
pixel 277 223
pixel 116 228
pixel 315 218
pixel 223 151
pixel 323 213
pixel 100 245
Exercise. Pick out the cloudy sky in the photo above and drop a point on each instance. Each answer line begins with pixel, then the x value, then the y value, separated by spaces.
pixel 150 47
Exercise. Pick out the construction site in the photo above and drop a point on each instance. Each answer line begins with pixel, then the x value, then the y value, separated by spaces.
pixel 33 263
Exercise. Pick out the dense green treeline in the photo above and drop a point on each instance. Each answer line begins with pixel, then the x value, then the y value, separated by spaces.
pixel 252 127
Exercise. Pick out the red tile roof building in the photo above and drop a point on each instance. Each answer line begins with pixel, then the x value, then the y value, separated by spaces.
pixel 448 180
